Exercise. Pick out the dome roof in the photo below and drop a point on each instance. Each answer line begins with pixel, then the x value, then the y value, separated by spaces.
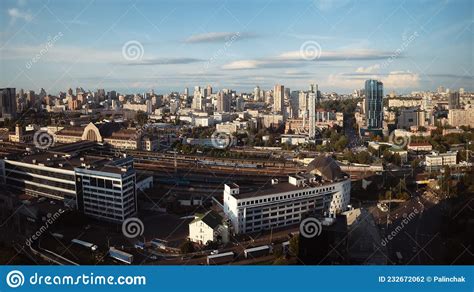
pixel 326 167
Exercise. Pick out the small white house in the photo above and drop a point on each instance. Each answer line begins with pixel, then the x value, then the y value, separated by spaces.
pixel 208 227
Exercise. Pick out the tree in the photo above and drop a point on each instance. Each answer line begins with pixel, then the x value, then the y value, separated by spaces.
pixel 363 157
pixel 294 245
pixel 187 247
pixel 141 117
pixel 211 245
pixel 341 144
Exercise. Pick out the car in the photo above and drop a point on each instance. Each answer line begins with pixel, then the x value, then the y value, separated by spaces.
pixel 214 252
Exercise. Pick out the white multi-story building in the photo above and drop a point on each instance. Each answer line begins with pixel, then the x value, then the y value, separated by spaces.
pixel 437 160
pixel 404 102
pixel 108 193
pixel 232 127
pixel 323 188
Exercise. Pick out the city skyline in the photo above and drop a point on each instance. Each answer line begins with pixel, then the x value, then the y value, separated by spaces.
pixel 237 45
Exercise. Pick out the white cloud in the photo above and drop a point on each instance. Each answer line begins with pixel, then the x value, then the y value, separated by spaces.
pixel 392 80
pixel 360 54
pixel 401 79
pixel 243 64
pixel 16 13
pixel 369 69
pixel 293 58
pixel 343 81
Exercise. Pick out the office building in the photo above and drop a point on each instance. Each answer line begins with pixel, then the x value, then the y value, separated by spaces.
pixel 412 117
pixel 323 188
pixel 374 104
pixel 437 160
pixel 223 102
pixel 99 187
pixel 454 101
pixel 7 103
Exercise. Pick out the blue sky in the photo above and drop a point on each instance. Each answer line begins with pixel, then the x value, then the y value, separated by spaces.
pixel 409 45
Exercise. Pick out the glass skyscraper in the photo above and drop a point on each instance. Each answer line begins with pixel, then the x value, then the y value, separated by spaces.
pixel 374 104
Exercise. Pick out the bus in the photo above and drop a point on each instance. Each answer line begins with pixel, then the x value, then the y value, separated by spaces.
pixel 257 251
pixel 220 258
pixel 89 245
pixel 158 243
pixel 120 255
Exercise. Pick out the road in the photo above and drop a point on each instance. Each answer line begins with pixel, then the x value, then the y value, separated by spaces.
pixel 414 230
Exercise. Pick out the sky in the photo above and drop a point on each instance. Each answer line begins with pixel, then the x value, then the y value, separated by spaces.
pixel 136 46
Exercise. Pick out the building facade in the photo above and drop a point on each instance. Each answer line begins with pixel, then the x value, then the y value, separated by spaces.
pixel 461 117
pixel 7 103
pixel 437 160
pixel 97 187
pixel 322 189
pixel 278 98
pixel 208 227
pixel 374 104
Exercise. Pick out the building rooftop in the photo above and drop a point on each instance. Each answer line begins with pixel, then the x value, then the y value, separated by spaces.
pixel 326 167
pixel 210 218
pixel 271 189
pixel 68 160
